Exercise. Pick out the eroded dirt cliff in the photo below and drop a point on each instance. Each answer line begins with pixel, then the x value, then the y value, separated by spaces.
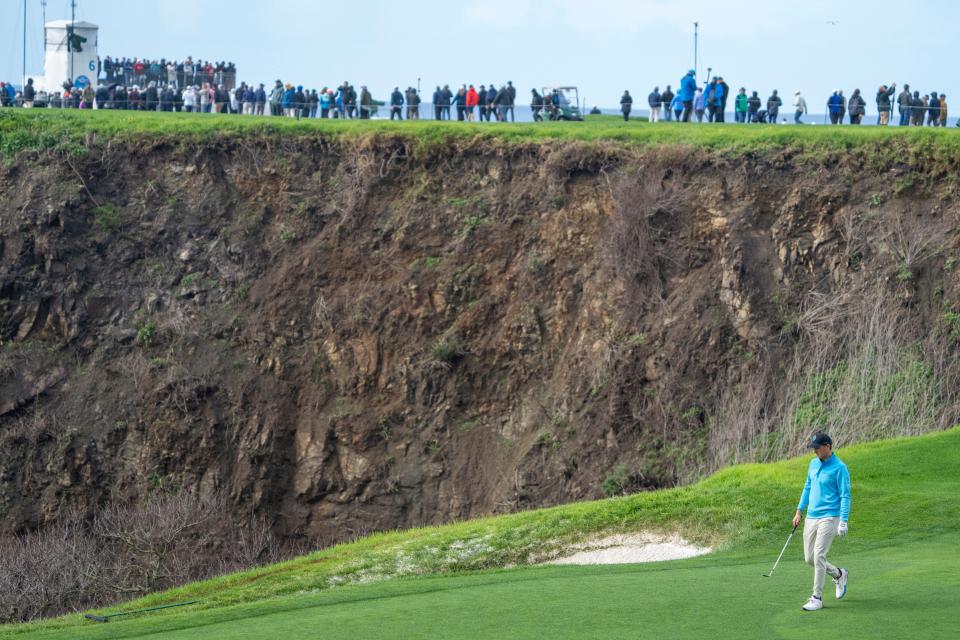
pixel 345 336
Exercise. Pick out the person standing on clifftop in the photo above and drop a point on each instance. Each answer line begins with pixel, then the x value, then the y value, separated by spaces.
pixel 536 104
pixel 276 97
pixel 29 94
pixel 834 106
pixel 492 110
pixel 753 107
pixel 903 102
pixel 933 110
pixel 826 497
pixel 688 92
pixel 396 104
pixel 460 100
pixel 447 100
pixel 723 99
pixel 666 99
pixel 626 104
pixel 654 101
pixel 714 96
pixel 438 104
pixel 511 100
pixel 677 106
pixel 883 103
pixel 857 107
pixel 472 99
pixel 699 104
pixel 916 109
pixel 773 107
pixel 366 103
pixel 799 106
pixel 740 106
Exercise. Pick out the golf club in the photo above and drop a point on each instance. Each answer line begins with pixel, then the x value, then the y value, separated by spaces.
pixel 790 537
pixel 90 616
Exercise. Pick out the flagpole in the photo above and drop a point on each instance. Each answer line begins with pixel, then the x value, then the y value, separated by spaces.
pixel 24 79
pixel 70 35
pixel 696 25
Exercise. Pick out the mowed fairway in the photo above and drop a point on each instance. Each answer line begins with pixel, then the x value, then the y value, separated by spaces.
pixel 902 555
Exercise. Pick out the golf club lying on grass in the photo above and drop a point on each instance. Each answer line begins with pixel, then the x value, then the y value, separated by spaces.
pixel 790 537
pixel 90 616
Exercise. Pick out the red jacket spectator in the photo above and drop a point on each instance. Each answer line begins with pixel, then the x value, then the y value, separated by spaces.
pixel 472 98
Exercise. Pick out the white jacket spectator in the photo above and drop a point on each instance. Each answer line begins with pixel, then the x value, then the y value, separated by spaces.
pixel 189 99
pixel 800 106
pixel 799 103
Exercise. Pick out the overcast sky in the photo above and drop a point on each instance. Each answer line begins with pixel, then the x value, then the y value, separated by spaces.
pixel 603 46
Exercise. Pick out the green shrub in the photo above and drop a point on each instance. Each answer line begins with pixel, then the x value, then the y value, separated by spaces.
pixel 952 318
pixel 241 292
pixel 189 279
pixel 472 224
pixel 904 273
pixel 108 217
pixel 637 340
pixel 146 333
pixel 547 440
pixel 536 265
pixel 448 349
pixel 616 481
pixel 427 262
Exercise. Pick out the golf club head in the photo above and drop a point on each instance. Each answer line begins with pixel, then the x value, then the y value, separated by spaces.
pixel 90 616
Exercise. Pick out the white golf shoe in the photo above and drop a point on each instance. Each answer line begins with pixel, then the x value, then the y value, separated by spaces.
pixel 841 583
pixel 813 604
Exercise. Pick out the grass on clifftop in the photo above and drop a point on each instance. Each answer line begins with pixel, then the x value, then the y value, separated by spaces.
pixel 38 129
pixel 905 572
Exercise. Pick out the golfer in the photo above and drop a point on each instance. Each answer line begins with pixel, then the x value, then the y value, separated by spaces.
pixel 827 492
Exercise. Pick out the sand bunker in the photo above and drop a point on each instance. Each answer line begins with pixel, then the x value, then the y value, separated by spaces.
pixel 623 549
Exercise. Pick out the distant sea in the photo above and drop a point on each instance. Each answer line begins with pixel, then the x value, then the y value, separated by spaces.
pixel 524 114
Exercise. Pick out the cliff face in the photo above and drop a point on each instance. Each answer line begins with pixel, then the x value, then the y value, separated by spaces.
pixel 345 336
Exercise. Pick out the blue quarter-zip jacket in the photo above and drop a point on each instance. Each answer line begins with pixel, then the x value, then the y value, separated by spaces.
pixel 827 491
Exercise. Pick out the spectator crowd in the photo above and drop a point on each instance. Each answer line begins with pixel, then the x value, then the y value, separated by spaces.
pixel 141 72
pixel 210 87
pixel 710 102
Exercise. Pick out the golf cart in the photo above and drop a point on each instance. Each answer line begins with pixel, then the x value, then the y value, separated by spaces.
pixel 561 103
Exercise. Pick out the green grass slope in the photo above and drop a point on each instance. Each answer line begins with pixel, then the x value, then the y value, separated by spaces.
pixel 905 571
pixel 71 130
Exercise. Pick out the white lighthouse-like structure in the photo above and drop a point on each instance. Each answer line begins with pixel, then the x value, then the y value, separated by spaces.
pixel 70 54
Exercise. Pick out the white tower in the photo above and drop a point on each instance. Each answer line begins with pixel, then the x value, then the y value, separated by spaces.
pixel 69 59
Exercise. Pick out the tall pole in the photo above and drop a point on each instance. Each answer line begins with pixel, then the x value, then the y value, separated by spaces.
pixel 73 22
pixel 24 79
pixel 43 9
pixel 696 26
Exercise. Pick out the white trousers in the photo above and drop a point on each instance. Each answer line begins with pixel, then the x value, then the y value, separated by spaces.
pixel 654 114
pixel 818 535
